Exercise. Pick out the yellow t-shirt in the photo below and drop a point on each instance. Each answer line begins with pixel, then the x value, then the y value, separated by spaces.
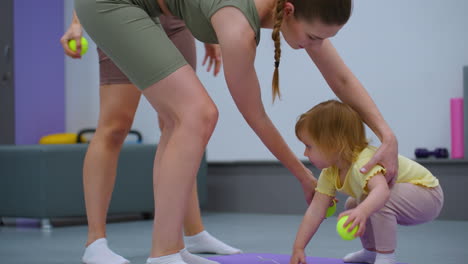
pixel 355 183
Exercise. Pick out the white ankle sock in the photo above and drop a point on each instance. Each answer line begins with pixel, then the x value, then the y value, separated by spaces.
pixel 385 258
pixel 194 259
pixel 168 259
pixel 203 242
pixel 362 255
pixel 99 253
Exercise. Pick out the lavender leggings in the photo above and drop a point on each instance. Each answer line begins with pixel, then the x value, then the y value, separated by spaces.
pixel 175 29
pixel 408 204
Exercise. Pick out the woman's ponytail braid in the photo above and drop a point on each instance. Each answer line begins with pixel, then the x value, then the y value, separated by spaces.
pixel 275 35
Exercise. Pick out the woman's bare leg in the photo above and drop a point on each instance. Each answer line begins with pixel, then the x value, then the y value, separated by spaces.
pixel 189 117
pixel 118 103
pixel 196 238
pixel 192 221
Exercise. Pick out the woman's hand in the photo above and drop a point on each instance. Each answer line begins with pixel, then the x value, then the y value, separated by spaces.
pixel 308 186
pixel 213 56
pixel 298 257
pixel 386 156
pixel 358 218
pixel 74 32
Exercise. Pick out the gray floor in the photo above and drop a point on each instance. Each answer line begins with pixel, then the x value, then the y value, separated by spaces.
pixel 436 242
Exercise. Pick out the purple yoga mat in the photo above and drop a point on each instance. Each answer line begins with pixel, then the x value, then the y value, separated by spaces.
pixel 257 258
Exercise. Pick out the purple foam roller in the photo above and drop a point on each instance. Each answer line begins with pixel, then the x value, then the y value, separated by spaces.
pixel 456 128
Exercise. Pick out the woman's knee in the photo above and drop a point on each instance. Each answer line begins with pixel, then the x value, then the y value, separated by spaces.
pixel 115 130
pixel 202 120
pixel 208 117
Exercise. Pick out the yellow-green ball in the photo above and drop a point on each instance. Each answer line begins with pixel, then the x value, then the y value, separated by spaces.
pixel 343 231
pixel 331 209
pixel 84 45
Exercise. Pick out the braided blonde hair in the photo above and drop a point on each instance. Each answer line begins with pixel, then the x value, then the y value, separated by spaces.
pixel 275 35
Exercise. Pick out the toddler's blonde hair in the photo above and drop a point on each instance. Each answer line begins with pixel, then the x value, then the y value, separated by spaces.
pixel 335 128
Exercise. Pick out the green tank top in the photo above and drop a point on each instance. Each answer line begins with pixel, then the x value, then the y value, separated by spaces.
pixel 197 15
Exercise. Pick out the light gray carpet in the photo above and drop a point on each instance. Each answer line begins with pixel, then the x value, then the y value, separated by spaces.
pixel 437 242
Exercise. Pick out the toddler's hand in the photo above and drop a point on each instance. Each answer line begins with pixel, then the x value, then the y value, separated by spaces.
pixel 358 218
pixel 298 257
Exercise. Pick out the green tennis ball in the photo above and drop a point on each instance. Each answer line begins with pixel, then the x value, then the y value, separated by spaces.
pixel 84 45
pixel 331 210
pixel 343 231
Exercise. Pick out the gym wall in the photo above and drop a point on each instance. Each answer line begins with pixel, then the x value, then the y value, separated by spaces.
pixel 408 55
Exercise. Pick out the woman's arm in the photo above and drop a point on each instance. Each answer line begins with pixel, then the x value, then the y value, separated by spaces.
pixel 348 88
pixel 309 225
pixel 237 41
pixel 378 196
pixel 74 32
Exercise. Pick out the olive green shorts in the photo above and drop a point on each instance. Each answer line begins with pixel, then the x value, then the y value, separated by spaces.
pixel 177 32
pixel 130 33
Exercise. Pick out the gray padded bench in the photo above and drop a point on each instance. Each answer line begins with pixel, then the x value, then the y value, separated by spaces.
pixel 45 181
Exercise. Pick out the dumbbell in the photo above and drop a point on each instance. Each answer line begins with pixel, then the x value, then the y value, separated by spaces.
pixel 424 153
